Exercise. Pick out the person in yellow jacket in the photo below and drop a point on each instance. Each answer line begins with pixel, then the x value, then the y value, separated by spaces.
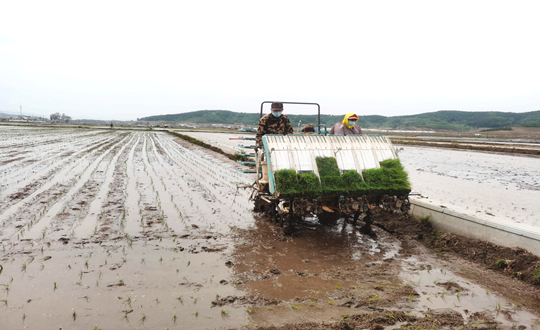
pixel 348 126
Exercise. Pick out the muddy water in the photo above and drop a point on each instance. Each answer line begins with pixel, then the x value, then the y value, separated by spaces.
pixel 173 224
pixel 332 270
pixel 494 187
pixel 117 286
pixel 439 288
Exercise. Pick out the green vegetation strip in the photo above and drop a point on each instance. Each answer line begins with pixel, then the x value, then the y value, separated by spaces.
pixel 391 178
pixel 210 147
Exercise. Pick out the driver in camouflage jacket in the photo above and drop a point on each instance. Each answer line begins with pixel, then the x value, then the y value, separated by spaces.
pixel 274 123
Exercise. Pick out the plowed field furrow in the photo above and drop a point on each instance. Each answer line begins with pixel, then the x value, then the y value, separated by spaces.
pixel 151 217
pixel 17 140
pixel 24 181
pixel 41 157
pixel 211 209
pixel 227 177
pixel 131 218
pixel 23 191
pixel 100 213
pixel 80 205
pixel 191 196
pixel 23 221
pixel 168 190
pixel 34 206
pixel 83 177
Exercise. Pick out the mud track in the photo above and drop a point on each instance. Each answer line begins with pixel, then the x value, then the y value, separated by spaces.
pixel 142 230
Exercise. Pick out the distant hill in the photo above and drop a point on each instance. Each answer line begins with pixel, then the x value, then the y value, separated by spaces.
pixel 452 120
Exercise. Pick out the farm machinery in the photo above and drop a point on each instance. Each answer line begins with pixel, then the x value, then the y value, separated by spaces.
pixel 328 176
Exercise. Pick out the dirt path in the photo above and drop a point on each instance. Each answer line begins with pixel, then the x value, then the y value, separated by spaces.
pixel 140 230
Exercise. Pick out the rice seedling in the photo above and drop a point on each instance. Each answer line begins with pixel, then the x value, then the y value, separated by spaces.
pixel 331 302
pixel 224 312
pixel 501 264
pixel 443 294
pixel 55 286
pixel 195 301
pixel 125 317
pixel 374 298
pixel 180 299
pixel 536 274
pixel 157 301
pixel 86 264
pixel 5 302
pixel 81 274
pixel 409 297
pixel 458 294
pixel 160 260
pixel 23 268
pixel 23 317
pixel 74 315
pixel 295 307
pixel 498 306
pixel 1 269
pixel 127 301
pixel 69 266
pixel 249 310
pixel 142 261
pixel 41 266
pixel 143 319
pixel 174 318
pixel 197 314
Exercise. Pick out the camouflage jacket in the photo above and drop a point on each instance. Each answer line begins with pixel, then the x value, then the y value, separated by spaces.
pixel 269 124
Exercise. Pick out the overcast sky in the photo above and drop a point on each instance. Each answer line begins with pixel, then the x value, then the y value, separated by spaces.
pixel 129 59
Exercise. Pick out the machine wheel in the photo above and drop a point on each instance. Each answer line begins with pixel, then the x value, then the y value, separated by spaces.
pixel 366 228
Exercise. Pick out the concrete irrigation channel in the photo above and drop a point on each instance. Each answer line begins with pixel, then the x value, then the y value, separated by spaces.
pixel 106 229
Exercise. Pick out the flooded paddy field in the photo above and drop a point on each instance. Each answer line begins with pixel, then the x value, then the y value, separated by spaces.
pixel 492 186
pixel 106 229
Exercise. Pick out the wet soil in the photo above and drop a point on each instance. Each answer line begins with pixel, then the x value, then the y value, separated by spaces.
pixel 139 230
pixel 486 147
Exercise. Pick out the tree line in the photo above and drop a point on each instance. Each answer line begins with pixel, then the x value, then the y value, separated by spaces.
pixel 448 119
pixel 57 117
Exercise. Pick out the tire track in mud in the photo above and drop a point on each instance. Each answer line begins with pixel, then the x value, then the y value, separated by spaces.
pixel 40 227
pixel 97 209
pixel 64 178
